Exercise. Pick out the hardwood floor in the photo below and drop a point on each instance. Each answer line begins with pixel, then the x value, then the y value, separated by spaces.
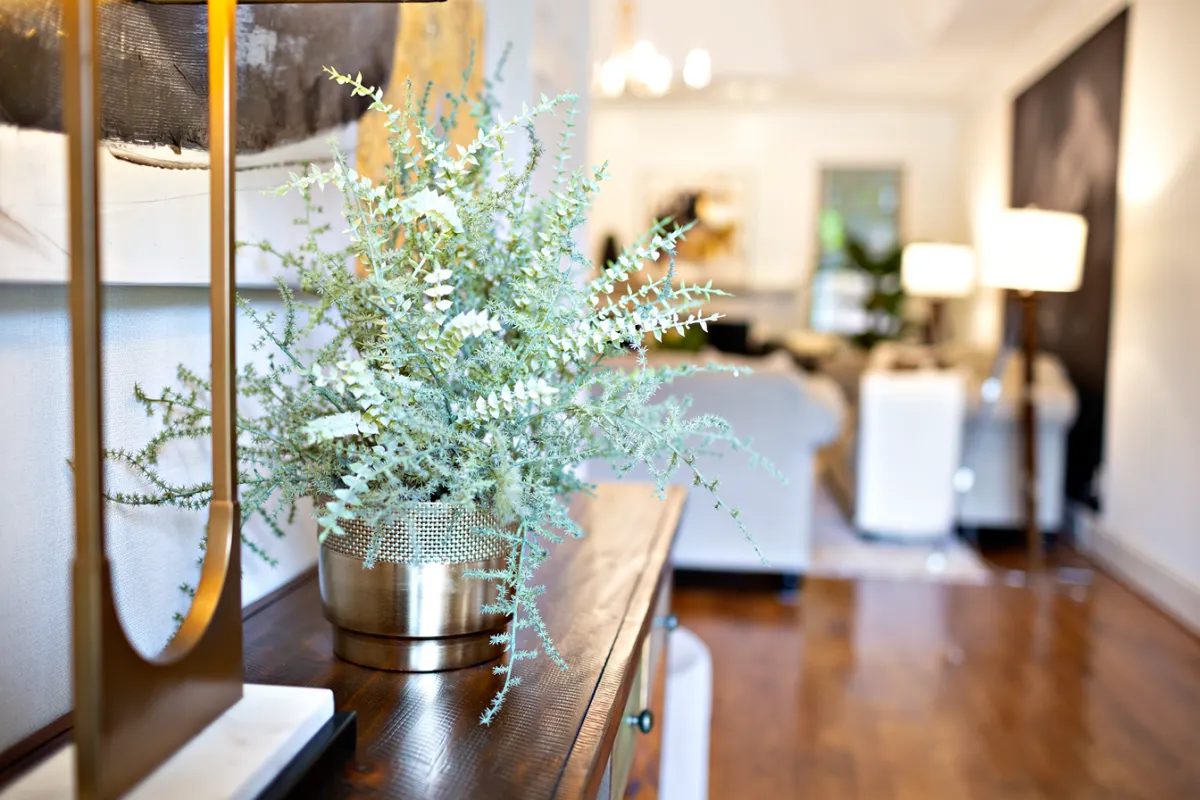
pixel 883 690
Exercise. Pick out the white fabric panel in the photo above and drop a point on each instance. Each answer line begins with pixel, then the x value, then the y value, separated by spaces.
pixel 909 446
pixel 146 333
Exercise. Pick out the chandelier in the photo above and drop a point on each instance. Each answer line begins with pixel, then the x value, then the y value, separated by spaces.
pixel 637 67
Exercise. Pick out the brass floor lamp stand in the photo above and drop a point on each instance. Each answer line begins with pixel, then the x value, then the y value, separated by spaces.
pixel 1029 476
pixel 1074 579
pixel 935 327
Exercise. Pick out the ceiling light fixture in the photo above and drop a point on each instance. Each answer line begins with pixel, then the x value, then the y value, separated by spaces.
pixel 697 69
pixel 634 66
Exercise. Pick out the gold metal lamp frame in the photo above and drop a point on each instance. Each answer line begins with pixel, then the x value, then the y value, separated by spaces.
pixel 133 713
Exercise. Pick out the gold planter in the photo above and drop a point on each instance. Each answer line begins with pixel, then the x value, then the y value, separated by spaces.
pixel 414 611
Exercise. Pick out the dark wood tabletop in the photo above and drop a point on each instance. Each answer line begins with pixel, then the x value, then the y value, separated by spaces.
pixel 419 735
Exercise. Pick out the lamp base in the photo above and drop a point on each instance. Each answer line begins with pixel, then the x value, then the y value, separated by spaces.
pixel 248 752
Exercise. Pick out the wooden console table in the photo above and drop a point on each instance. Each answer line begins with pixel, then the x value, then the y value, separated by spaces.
pixel 562 734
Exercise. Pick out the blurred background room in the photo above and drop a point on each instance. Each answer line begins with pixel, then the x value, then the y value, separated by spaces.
pixel 866 177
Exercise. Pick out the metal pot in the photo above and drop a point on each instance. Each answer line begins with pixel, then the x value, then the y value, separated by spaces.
pixel 414 611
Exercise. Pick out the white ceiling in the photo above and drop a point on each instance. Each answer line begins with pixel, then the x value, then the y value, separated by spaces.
pixel 906 49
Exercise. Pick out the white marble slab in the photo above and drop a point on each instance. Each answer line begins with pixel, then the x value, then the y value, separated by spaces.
pixel 234 758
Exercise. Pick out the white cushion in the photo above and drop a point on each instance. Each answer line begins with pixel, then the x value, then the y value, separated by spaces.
pixel 909 447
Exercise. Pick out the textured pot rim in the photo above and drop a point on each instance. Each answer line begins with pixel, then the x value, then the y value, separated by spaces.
pixel 421 533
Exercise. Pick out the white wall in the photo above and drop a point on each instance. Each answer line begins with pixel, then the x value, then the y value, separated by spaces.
pixel 1151 524
pixel 1150 530
pixel 778 150
pixel 550 55
pixel 561 55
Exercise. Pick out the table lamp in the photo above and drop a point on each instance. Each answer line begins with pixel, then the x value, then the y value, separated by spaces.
pixel 937 271
pixel 1031 250
pixel 150 727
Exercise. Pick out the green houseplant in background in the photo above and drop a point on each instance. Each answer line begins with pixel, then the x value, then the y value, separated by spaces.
pixel 692 340
pixel 462 378
pixel 884 302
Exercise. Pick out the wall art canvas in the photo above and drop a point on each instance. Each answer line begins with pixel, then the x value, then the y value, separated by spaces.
pixel 1066 139
pixel 715 205
pixel 154 122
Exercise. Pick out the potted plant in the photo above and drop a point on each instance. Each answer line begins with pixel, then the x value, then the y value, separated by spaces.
pixel 884 303
pixel 462 379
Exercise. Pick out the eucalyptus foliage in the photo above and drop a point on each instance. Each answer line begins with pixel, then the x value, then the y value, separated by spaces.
pixel 466 357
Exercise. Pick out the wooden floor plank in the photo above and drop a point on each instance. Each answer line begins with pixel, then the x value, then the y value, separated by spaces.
pixel 882 690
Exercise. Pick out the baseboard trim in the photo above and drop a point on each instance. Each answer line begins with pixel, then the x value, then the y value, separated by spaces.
pixel 1175 596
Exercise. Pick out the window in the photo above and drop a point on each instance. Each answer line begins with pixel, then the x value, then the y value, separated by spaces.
pixel 863 204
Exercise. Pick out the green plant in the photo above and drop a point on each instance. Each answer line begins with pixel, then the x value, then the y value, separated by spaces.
pixel 884 303
pixel 467 364
pixel 692 340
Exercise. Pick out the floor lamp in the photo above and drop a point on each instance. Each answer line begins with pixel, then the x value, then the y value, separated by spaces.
pixel 937 271
pixel 1029 251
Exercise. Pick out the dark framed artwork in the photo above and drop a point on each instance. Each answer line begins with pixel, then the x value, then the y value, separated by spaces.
pixel 1066 140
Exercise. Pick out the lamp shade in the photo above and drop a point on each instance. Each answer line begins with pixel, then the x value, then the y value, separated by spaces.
pixel 1034 250
pixel 931 269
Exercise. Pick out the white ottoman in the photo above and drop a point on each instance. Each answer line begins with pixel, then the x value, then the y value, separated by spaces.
pixel 910 432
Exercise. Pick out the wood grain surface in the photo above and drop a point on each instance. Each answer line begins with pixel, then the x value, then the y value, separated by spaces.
pixel 419 735
pixel 888 691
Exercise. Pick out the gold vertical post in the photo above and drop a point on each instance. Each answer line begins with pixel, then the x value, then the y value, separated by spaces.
pixel 222 147
pixel 224 520
pixel 1029 433
pixel 81 118
pixel 133 713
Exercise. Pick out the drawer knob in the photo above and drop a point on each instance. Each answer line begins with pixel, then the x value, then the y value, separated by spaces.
pixel 670 622
pixel 644 721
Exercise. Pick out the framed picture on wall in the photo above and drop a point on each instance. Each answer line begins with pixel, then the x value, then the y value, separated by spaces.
pixel 716 248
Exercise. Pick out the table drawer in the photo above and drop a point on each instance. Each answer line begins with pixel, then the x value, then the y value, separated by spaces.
pixel 650 661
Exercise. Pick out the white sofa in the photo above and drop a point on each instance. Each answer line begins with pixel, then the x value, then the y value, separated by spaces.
pixel 992 443
pixel 789 416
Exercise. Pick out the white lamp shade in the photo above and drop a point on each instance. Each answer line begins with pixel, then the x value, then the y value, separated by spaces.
pixel 931 269
pixel 1034 250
